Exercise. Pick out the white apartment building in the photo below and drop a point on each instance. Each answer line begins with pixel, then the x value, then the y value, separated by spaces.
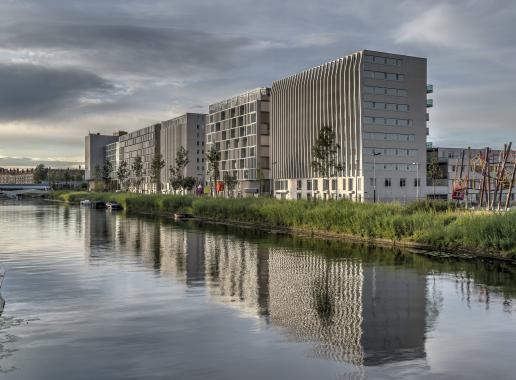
pixel 376 104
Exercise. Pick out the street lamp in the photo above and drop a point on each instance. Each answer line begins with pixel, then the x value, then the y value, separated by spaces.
pixel 417 179
pixel 272 178
pixel 374 174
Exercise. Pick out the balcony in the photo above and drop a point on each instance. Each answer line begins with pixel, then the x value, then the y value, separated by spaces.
pixel 429 103
pixel 429 88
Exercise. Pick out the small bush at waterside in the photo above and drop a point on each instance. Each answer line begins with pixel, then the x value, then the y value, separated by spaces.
pixel 437 224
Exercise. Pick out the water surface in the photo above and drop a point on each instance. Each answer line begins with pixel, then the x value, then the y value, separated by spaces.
pixel 97 295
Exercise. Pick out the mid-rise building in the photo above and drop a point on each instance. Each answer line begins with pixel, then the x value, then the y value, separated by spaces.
pixel 187 131
pixel 376 105
pixel 239 129
pixel 144 143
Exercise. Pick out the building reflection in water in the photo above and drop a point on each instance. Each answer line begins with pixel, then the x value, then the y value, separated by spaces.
pixel 349 311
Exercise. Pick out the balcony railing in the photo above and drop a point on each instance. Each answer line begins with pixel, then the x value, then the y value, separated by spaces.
pixel 429 103
pixel 429 88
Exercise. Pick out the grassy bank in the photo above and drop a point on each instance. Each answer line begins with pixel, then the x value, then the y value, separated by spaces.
pixel 437 224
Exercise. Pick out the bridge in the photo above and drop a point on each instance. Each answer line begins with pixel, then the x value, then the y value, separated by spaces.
pixel 12 190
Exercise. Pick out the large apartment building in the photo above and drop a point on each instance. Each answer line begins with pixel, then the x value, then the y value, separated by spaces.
pixel 239 129
pixel 376 104
pixel 95 154
pixel 186 131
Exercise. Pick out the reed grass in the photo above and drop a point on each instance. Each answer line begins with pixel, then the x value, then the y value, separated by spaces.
pixel 438 224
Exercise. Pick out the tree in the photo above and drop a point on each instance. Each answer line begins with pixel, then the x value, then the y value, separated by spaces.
pixel 188 183
pixel 324 152
pixel 230 183
pixel 434 172
pixel 177 171
pixel 122 174
pixel 137 171
pixel 67 176
pixel 156 165
pixel 107 168
pixel 213 158
pixel 40 173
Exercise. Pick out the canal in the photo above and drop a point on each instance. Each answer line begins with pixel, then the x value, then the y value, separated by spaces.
pixel 91 294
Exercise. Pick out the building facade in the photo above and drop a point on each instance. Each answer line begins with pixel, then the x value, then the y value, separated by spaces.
pixel 16 176
pixel 376 105
pixel 95 153
pixel 239 129
pixel 186 131
pixel 144 143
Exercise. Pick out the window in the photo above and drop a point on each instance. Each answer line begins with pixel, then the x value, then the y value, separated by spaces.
pixel 298 195
pixel 387 182
pixel 350 184
pixel 417 182
pixel 308 196
pixel 308 185
pixel 316 185
pixel 403 182
pixel 299 184
pixel 334 184
pixel 326 185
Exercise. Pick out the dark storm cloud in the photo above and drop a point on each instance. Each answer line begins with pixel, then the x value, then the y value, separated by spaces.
pixel 127 48
pixel 30 91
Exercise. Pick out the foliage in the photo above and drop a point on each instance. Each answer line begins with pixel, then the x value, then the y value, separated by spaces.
pixel 188 183
pixel 177 171
pixel 122 175
pixel 434 172
pixel 156 165
pixel 40 173
pixel 325 152
pixel 213 158
pixel 137 172
pixel 230 182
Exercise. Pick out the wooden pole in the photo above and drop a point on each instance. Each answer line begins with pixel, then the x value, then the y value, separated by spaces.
pixel 497 174
pixel 482 185
pixel 467 178
pixel 511 184
pixel 502 174
pixel 488 178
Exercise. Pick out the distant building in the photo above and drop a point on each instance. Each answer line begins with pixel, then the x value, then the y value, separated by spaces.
pixel 239 129
pixel 16 176
pixel 186 131
pixel 376 104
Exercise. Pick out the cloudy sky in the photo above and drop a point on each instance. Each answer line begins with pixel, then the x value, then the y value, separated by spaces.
pixel 72 66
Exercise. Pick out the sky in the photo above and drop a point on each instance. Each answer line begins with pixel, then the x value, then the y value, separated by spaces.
pixel 68 67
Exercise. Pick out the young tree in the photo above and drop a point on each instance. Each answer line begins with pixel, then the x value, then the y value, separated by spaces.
pixel 177 171
pixel 230 183
pixel 213 158
pixel 40 173
pixel 67 176
pixel 106 174
pixel 434 172
pixel 122 174
pixel 156 165
pixel 188 183
pixel 324 152
pixel 137 171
